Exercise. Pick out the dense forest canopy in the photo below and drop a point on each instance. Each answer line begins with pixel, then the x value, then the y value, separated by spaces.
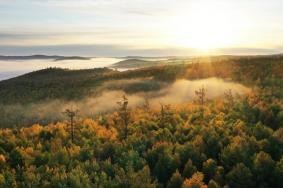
pixel 232 141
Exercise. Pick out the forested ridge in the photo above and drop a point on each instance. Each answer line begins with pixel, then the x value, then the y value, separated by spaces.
pixel 231 141
pixel 55 83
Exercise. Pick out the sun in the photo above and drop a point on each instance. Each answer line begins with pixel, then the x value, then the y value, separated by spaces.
pixel 202 26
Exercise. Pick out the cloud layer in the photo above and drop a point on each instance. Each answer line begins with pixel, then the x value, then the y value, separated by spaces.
pixel 115 27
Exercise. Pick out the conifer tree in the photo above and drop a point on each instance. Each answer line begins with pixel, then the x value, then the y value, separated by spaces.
pixel 124 114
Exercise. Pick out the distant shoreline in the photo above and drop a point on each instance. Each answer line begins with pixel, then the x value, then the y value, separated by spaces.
pixel 42 57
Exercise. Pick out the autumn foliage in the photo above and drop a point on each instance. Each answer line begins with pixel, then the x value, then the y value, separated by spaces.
pixel 236 143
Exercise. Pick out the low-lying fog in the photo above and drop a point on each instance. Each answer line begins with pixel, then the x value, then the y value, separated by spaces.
pixel 9 69
pixel 178 92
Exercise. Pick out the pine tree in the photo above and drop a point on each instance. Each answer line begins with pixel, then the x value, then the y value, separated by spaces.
pixel 71 114
pixel 124 114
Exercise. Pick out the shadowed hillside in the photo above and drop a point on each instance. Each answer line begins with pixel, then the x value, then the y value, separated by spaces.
pixel 41 96
pixel 75 84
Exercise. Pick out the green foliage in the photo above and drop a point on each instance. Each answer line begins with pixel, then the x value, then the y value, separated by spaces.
pixel 209 169
pixel 20 95
pixel 263 165
pixel 240 177
pixel 213 184
pixel 16 159
pixel 189 169
pixel 241 146
pixel 278 174
pixel 175 181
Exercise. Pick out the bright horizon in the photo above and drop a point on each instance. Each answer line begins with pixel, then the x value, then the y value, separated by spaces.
pixel 145 28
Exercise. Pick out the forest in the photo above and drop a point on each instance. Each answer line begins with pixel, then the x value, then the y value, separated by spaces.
pixel 38 97
pixel 231 141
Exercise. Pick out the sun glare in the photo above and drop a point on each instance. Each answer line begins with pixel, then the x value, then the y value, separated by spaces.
pixel 203 26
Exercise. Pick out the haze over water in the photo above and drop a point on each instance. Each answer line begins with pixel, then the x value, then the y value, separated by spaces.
pixel 10 69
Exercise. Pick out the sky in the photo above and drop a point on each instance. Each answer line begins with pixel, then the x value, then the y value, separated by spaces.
pixel 140 27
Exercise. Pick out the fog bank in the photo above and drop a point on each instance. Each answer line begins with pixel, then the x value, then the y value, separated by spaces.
pixel 179 92
pixel 9 69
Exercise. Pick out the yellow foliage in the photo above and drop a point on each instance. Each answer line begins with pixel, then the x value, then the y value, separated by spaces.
pixel 278 135
pixel 31 175
pixel 28 152
pixel 239 126
pixel 100 131
pixel 161 144
pixel 2 158
pixel 7 133
pixel 38 146
pixel 74 150
pixel 199 143
pixel 56 144
pixel 196 181
pixel 219 104
pixel 219 119
pixel 2 180
pixel 34 130
pixel 61 130
pixel 207 112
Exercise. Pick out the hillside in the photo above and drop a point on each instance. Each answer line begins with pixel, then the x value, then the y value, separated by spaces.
pixel 56 83
pixel 235 142
pixel 41 96
pixel 142 62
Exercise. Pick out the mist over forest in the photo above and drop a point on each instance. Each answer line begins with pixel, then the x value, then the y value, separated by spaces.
pixel 181 91
pixel 141 94
pixel 172 122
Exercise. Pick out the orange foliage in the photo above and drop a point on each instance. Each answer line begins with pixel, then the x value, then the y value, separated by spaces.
pixel 196 181
pixel 32 131
pixel 74 150
pixel 100 131
pixel 219 119
pixel 2 158
pixel 161 144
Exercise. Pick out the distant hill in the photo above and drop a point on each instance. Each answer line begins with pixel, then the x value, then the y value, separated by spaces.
pixel 135 63
pixel 43 57
pixel 72 58
pixel 141 62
